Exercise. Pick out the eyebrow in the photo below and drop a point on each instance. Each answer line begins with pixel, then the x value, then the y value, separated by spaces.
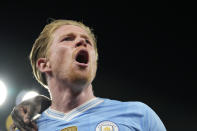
pixel 69 34
pixel 72 34
pixel 85 36
pixel 64 35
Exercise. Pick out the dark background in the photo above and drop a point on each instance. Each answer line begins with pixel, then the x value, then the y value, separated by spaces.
pixel 146 52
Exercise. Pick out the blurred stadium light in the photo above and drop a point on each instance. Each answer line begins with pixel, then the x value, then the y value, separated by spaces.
pixel 3 92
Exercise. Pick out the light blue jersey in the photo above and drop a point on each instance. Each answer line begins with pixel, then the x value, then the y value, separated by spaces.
pixel 101 114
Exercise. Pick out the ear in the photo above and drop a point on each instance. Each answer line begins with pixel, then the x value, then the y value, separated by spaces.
pixel 43 65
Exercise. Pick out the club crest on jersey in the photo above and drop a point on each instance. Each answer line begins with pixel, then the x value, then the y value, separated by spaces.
pixel 73 128
pixel 107 126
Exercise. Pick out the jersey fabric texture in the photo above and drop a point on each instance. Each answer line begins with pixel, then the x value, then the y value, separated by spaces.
pixel 100 114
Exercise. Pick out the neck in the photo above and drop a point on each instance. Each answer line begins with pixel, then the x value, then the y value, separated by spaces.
pixel 64 98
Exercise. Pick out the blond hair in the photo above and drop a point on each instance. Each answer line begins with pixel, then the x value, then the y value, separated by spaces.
pixel 43 42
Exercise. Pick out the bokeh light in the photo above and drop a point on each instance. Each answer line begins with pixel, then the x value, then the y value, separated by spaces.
pixel 3 92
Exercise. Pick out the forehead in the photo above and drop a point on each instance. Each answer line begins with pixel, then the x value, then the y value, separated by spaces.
pixel 66 29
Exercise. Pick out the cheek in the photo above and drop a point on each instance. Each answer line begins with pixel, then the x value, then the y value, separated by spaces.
pixel 93 66
pixel 60 56
pixel 94 56
pixel 93 60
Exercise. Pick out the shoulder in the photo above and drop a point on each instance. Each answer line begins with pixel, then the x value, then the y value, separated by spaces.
pixel 129 105
pixel 131 108
pixel 137 105
pixel 139 112
pixel 150 118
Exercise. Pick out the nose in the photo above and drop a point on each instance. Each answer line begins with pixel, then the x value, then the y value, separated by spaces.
pixel 81 42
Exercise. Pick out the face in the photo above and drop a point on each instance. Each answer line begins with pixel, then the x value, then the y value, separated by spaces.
pixel 72 56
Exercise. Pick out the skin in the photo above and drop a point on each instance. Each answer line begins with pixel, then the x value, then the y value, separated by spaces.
pixel 69 81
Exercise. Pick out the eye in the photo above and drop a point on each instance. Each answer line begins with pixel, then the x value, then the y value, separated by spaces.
pixel 68 38
pixel 87 41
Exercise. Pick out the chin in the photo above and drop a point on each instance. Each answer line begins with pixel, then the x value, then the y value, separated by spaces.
pixel 80 79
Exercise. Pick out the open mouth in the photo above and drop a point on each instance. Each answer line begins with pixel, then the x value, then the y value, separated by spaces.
pixel 82 57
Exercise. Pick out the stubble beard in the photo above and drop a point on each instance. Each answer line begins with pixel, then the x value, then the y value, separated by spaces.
pixel 80 77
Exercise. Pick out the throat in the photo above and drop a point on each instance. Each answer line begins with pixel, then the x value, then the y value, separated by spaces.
pixel 66 100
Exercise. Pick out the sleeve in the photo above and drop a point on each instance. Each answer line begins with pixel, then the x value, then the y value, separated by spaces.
pixel 152 120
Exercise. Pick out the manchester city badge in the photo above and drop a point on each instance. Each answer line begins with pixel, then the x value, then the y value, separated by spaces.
pixel 107 126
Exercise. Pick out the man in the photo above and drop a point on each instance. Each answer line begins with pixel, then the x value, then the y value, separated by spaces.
pixel 64 60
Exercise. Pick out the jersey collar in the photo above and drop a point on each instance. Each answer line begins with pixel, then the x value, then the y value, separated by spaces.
pixel 75 112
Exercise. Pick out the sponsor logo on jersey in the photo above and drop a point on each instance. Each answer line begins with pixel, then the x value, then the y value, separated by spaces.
pixel 107 126
pixel 73 128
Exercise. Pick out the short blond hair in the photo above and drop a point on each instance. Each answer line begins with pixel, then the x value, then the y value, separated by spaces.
pixel 44 40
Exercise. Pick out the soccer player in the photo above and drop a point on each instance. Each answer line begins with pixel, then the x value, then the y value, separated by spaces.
pixel 64 60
